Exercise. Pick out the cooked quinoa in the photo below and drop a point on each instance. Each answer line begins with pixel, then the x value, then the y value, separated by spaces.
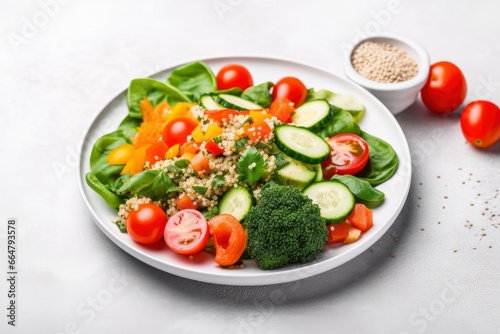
pixel 224 165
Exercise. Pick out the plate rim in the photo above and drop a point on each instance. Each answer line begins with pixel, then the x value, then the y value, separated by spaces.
pixel 265 277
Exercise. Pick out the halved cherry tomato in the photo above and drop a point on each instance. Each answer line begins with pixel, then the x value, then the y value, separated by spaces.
pixel 146 224
pixel 229 239
pixel 445 89
pixel 213 147
pixel 156 152
pixel 361 217
pixel 186 232
pixel 234 75
pixel 349 155
pixel 337 232
pixel 282 108
pixel 223 114
pixel 177 130
pixel 480 123
pixel 291 88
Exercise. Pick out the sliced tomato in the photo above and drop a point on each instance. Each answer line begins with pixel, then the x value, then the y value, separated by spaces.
pixel 337 232
pixel 224 114
pixel 146 224
pixel 349 155
pixel 361 217
pixel 229 239
pixel 186 232
pixel 213 147
pixel 282 108
pixel 156 152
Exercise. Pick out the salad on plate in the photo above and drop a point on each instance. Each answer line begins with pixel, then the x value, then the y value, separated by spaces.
pixel 273 172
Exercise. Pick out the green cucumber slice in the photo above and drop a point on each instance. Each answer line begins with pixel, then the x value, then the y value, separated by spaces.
pixel 235 102
pixel 208 102
pixel 295 174
pixel 334 199
pixel 237 202
pixel 301 144
pixel 312 114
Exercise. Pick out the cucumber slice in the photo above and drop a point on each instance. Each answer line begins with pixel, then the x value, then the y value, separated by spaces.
pixel 318 170
pixel 333 198
pixel 348 103
pixel 235 102
pixel 296 174
pixel 301 144
pixel 208 102
pixel 312 114
pixel 237 202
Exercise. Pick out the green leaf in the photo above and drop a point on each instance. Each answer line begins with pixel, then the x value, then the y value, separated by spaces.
pixel 251 166
pixel 155 90
pixel 218 181
pixel 182 163
pixel 383 161
pixel 175 189
pixel 173 169
pixel 259 94
pixel 341 122
pixel 236 91
pixel 152 183
pixel 280 161
pixel 362 189
pixel 193 79
pixel 210 213
pixel 100 167
pixel 109 197
pixel 240 143
pixel 218 139
pixel 122 227
pixel 200 190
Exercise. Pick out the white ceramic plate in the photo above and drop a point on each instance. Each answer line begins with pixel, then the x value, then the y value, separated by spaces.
pixel 377 121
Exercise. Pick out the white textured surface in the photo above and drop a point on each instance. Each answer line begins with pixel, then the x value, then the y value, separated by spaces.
pixel 439 277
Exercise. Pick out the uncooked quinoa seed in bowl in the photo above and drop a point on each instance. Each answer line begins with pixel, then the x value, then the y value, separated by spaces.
pixel 393 68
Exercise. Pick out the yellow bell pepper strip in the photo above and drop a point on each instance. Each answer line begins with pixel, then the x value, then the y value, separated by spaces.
pixel 197 134
pixel 212 131
pixel 172 152
pixel 121 154
pixel 259 115
pixel 136 163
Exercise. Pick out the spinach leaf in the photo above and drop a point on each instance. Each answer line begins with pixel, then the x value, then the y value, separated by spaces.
pixel 341 122
pixel 236 91
pixel 383 161
pixel 109 197
pixel 129 125
pixel 156 91
pixel 99 166
pixel 362 189
pixel 251 166
pixel 259 94
pixel 152 183
pixel 193 79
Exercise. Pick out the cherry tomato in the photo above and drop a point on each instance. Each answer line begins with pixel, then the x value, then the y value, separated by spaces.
pixel 292 89
pixel 230 239
pixel 186 232
pixel 445 89
pixel 177 130
pixel 480 123
pixel 234 75
pixel 349 155
pixel 146 224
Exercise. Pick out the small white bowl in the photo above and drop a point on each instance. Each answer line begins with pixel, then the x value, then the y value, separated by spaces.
pixel 396 96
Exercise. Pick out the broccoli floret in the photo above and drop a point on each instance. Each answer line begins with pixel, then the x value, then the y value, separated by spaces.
pixel 284 227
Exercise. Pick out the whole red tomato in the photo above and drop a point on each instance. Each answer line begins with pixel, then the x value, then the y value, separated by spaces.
pixel 480 123
pixel 177 130
pixel 445 89
pixel 146 224
pixel 234 75
pixel 292 89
